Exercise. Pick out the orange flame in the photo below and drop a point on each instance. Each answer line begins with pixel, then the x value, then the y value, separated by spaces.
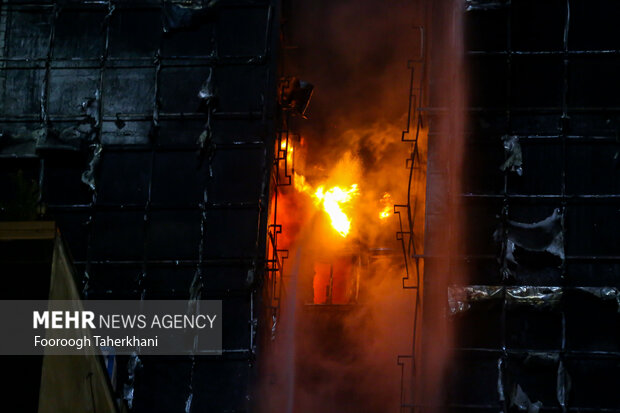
pixel 388 206
pixel 288 148
pixel 289 155
pixel 333 200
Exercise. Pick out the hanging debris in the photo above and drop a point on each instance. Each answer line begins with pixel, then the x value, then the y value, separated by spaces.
pixel 196 287
pixel 563 385
pixel 205 140
pixel 296 95
pixel 207 90
pixel 471 5
pixel 250 277
pixel 604 293
pixel 542 236
pixel 206 136
pixel 541 356
pixel 90 107
pixel 85 284
pixel 513 155
pixel 535 297
pixel 181 16
pixel 188 403
pixel 461 297
pixel 206 146
pixel 522 402
pixel 78 135
pixel 133 364
pixel 500 380
pixel 274 325
pixel 88 177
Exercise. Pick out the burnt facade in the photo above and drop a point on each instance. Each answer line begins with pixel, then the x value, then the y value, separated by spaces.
pixel 146 131
pixel 535 316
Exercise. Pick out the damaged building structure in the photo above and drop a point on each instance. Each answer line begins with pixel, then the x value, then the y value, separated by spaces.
pixel 536 324
pixel 145 131
pixel 142 141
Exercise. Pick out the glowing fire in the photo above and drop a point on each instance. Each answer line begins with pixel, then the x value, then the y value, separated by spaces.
pixel 333 200
pixel 388 206
pixel 286 146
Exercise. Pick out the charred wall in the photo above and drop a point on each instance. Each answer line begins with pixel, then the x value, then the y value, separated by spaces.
pixel 536 323
pixel 145 129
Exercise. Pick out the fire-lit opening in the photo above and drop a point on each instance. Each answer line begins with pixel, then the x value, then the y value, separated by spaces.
pixel 335 281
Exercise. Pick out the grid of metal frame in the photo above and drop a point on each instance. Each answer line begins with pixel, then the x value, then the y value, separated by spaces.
pixel 409 233
pixel 152 148
pixel 544 335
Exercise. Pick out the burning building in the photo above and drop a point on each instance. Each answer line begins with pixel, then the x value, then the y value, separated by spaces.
pixel 402 207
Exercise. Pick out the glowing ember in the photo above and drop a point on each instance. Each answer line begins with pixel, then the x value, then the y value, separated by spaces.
pixel 289 155
pixel 288 148
pixel 333 200
pixel 388 206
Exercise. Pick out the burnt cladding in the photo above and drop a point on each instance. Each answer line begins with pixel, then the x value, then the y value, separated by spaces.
pixel 537 325
pixel 146 131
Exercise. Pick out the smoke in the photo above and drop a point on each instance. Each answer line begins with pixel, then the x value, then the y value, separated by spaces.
pixel 445 239
pixel 356 54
